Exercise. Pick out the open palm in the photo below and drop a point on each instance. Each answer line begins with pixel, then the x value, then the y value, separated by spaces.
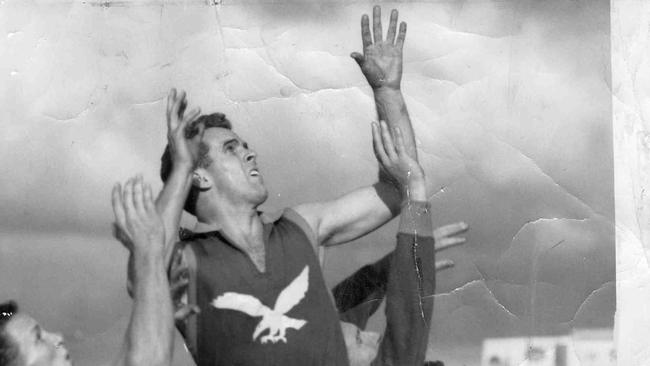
pixel 381 62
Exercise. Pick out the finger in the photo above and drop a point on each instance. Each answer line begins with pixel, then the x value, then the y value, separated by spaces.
pixel 388 142
pixel 451 229
pixel 175 108
pixel 199 129
pixel 118 208
pixel 401 35
pixel 378 146
pixel 137 196
pixel 186 129
pixel 444 264
pixel 149 205
pixel 127 200
pixel 376 23
pixel 183 105
pixel 192 115
pixel 447 243
pixel 392 27
pixel 359 58
pixel 399 142
pixel 171 98
pixel 121 236
pixel 366 37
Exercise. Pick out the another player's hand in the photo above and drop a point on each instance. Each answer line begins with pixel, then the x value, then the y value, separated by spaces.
pixel 381 62
pixel 446 237
pixel 396 162
pixel 136 217
pixel 181 138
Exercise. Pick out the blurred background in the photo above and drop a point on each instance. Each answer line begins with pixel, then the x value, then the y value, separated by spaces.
pixel 510 101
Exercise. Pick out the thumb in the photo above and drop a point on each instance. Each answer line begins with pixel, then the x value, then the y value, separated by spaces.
pixel 358 58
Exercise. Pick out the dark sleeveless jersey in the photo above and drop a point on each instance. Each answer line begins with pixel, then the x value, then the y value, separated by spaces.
pixel 283 316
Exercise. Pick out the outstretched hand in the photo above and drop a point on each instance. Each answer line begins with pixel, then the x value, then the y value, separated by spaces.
pixel 381 61
pixel 181 134
pixel 136 220
pixel 447 237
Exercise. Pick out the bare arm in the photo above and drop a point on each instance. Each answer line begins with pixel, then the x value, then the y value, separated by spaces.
pixel 149 337
pixel 170 204
pixel 183 152
pixel 363 210
pixel 381 64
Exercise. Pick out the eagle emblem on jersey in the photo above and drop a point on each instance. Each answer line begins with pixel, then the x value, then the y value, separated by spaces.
pixel 274 319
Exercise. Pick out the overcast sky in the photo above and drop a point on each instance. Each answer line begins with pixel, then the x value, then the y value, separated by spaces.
pixel 510 102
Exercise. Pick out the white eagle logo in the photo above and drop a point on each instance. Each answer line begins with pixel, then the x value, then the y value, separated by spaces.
pixel 273 320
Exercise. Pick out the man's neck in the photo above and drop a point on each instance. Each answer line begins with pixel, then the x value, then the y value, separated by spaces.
pixel 243 225
pixel 244 228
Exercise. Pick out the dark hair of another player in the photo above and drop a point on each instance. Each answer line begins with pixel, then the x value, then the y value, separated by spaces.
pixel 166 166
pixel 8 347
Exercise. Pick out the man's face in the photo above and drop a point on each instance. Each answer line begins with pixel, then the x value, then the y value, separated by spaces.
pixel 232 166
pixel 362 346
pixel 36 346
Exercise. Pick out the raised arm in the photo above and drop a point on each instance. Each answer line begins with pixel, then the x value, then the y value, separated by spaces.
pixel 150 334
pixel 409 300
pixel 182 153
pixel 381 64
pixel 363 210
pixel 182 147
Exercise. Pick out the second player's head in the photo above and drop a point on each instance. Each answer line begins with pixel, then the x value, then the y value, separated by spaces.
pixel 24 343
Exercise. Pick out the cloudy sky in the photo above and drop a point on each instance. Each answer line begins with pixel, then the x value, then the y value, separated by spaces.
pixel 510 101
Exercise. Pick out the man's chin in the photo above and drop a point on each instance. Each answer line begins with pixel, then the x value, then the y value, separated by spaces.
pixel 263 197
pixel 259 197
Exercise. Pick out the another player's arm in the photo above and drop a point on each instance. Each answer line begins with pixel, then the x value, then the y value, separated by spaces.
pixel 365 209
pixel 381 64
pixel 408 312
pixel 149 337
pixel 359 295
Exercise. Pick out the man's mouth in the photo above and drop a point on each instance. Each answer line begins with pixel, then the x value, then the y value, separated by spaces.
pixel 254 173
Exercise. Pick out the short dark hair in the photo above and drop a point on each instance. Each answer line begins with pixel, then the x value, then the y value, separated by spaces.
pixel 9 351
pixel 166 164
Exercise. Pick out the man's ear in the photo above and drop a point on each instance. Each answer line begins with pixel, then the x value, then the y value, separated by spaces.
pixel 201 180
